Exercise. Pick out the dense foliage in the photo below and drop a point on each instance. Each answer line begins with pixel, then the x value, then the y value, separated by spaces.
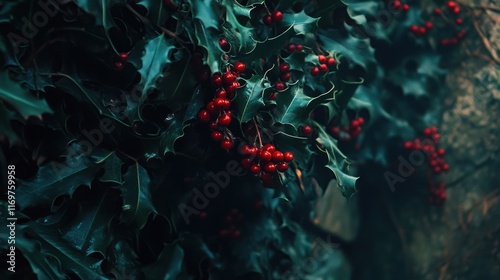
pixel 189 139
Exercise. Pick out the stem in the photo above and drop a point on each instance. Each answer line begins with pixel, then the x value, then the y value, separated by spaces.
pixel 258 132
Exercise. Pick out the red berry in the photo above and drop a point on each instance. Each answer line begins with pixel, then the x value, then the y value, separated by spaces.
pixel 246 162
pixel 224 120
pixel 459 21
pixel 408 144
pixel 269 147
pixel 453 41
pixel 422 30
pixel 278 156
pixel 335 131
pixel 221 93
pixel 284 67
pixel 315 71
pixel 270 167
pixel 216 80
pixel 451 4
pixel 216 136
pixel 265 155
pixel 228 78
pixel 219 103
pixel 436 137
pixel 354 123
pixel 279 86
pixel 213 125
pixel 441 152
pixel 233 87
pixel 456 10
pixel 282 167
pixel 204 116
pixel 437 11
pixel 123 56
pixel 286 77
pixel 446 167
pixel 427 132
pixel 299 48
pixel 277 16
pixel 406 7
pixel 306 130
pixel 268 20
pixel 361 121
pixel 291 47
pixel 414 29
pixel 288 156
pixel 255 169
pixel 437 169
pixel 323 68
pixel 331 61
pixel 321 59
pixel 224 45
pixel 272 96
pixel 226 144
pixel 118 66
pixel 396 4
pixel 240 67
pixel 429 25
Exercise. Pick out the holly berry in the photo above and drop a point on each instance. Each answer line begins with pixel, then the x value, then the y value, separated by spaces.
pixel 269 147
pixel 408 144
pixel 216 80
pixel 451 4
pixel 224 120
pixel 446 167
pixel 277 16
pixel 233 87
pixel 459 21
pixel 268 20
pixel 284 67
pixel 255 169
pixel 321 59
pixel 456 10
pixel 323 68
pixel 286 77
pixel 282 167
pixel 330 61
pixel 406 7
pixel 123 56
pixel 288 156
pixel 441 152
pixel 226 144
pixel 428 25
pixel 396 4
pixel 213 125
pixel 306 130
pixel 315 71
pixel 414 29
pixel 265 155
pixel 216 136
pixel 299 48
pixel 204 116
pixel 221 93
pixel 272 96
pixel 270 167
pixel 246 162
pixel 291 48
pixel 278 156
pixel 437 11
pixel 279 86
pixel 118 66
pixel 422 30
pixel 228 78
pixel 224 45
pixel 240 67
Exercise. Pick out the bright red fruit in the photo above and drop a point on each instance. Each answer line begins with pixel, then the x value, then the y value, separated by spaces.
pixel 228 78
pixel 216 136
pixel 331 61
pixel 204 116
pixel 240 67
pixel 288 156
pixel 314 71
pixel 323 68
pixel 268 20
pixel 306 130
pixel 277 16
pixel 265 155
pixel 119 66
pixel 224 45
pixel 279 86
pixel 269 147
pixel 123 56
pixel 291 47
pixel 321 59
pixel 299 48
pixel 270 167
pixel 278 156
pixel 282 167
pixel 216 80
pixel 226 144
pixel 255 169
pixel 224 120
pixel 284 67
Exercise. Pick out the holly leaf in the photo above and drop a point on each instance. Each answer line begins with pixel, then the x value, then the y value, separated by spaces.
pixel 337 162
pixel 348 89
pixel 20 98
pixel 294 107
pixel 112 168
pixel 261 49
pixel 136 193
pixel 301 22
pixel 156 10
pixel 52 244
pixel 239 35
pixel 55 179
pixel 88 231
pixel 249 100
pixel 100 9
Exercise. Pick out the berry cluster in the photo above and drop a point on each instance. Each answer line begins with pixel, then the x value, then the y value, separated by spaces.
pixel 434 153
pixel 324 63
pixel 232 220
pixel 217 112
pixel 265 161
pixel 348 132
pixel 291 48
pixel 284 76
pixel 435 158
pixel 274 17
pixel 398 5
pixel 122 58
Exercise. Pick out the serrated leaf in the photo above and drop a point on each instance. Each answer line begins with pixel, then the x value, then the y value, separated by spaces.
pixel 157 11
pixel 337 162
pixel 348 89
pixel 261 49
pixel 249 100
pixel 70 259
pixel 100 9
pixel 55 179
pixel 112 168
pixel 240 36
pixel 136 196
pixel 88 231
pixel 301 22
pixel 20 98
pixel 294 107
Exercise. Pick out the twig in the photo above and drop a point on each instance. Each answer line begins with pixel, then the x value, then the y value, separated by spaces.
pixel 258 132
pixel 486 43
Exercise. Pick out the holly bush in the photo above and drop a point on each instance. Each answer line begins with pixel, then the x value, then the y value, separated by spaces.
pixel 190 139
